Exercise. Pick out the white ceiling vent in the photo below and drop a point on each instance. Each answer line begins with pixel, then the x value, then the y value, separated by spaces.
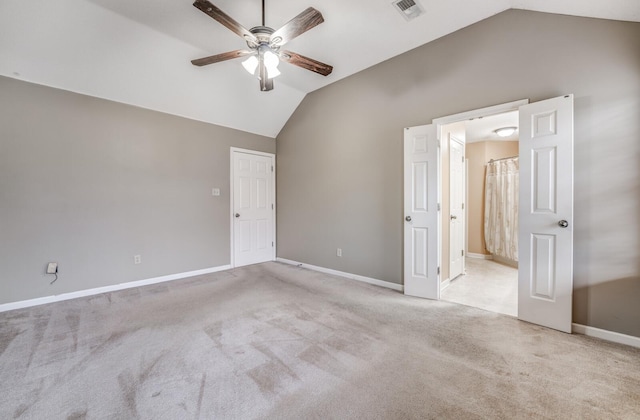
pixel 409 9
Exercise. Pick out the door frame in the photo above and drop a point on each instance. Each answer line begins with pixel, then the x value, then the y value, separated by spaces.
pixel 272 156
pixel 463 116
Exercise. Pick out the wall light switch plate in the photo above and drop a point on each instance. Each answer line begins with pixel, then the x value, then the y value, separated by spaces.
pixel 215 192
pixel 52 268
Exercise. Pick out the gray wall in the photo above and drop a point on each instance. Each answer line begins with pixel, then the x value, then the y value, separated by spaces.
pixel 89 183
pixel 340 155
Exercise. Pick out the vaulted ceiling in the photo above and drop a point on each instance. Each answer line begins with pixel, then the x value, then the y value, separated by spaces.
pixel 138 52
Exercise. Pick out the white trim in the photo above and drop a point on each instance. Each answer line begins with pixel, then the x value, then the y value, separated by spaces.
pixel 505 261
pixel 479 256
pixel 482 112
pixel 252 152
pixel 357 277
pixel 445 283
pixel 607 335
pixel 233 150
pixel 99 290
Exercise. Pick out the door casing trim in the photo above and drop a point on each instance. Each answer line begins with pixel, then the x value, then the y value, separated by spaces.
pixel 463 116
pixel 476 113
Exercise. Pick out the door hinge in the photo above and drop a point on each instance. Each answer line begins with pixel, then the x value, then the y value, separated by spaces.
pixel 272 244
pixel 463 252
pixel 462 159
pixel 438 270
pixel 271 206
pixel 438 206
pixel 438 143
pixel 271 168
pixel 462 206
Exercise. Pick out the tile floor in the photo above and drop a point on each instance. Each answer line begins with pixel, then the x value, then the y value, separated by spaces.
pixel 487 285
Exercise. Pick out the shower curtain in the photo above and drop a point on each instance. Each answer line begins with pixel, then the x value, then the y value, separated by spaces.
pixel 501 208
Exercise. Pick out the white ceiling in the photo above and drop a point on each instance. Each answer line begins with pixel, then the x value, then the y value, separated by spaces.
pixel 482 129
pixel 138 52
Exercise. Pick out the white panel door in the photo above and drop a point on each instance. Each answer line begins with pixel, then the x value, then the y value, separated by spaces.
pixel 545 273
pixel 253 207
pixel 456 205
pixel 421 236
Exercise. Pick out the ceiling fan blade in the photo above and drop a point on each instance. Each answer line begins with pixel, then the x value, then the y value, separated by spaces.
pixel 266 84
pixel 224 19
pixel 220 57
pixel 306 63
pixel 300 24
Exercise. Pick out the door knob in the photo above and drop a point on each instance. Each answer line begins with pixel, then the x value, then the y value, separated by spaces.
pixel 408 218
pixel 453 217
pixel 237 214
pixel 563 223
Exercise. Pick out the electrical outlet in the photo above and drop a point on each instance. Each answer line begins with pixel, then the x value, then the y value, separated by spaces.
pixel 137 259
pixel 339 252
pixel 215 192
pixel 52 268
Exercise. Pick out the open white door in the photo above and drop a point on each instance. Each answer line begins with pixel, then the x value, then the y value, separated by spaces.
pixel 421 229
pixel 545 273
pixel 456 208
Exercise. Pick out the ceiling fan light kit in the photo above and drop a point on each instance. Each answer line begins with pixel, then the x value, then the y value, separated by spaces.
pixel 264 44
pixel 250 64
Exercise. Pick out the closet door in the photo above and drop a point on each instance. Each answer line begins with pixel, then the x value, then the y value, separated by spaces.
pixel 253 209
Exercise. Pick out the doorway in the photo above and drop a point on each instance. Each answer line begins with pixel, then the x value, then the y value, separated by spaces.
pixel 480 209
pixel 545 263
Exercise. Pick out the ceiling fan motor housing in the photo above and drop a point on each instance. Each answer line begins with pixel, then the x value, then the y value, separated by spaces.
pixel 263 35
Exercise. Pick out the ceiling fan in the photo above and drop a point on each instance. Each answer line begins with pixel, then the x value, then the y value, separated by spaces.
pixel 264 44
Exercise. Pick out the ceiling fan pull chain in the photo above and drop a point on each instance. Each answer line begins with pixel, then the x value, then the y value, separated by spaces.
pixel 263 13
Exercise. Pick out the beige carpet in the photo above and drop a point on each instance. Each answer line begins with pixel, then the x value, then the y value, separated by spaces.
pixel 281 342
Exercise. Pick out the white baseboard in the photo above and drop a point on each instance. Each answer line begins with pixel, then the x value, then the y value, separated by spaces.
pixel 505 261
pixel 357 277
pixel 98 290
pixel 615 337
pixel 445 283
pixel 479 256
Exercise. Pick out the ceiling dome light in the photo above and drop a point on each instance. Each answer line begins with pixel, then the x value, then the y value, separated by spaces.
pixel 250 64
pixel 505 131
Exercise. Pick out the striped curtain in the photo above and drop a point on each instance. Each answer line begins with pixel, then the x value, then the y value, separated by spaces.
pixel 501 208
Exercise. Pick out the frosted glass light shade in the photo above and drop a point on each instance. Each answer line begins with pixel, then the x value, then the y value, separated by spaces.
pixel 272 72
pixel 271 62
pixel 250 64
